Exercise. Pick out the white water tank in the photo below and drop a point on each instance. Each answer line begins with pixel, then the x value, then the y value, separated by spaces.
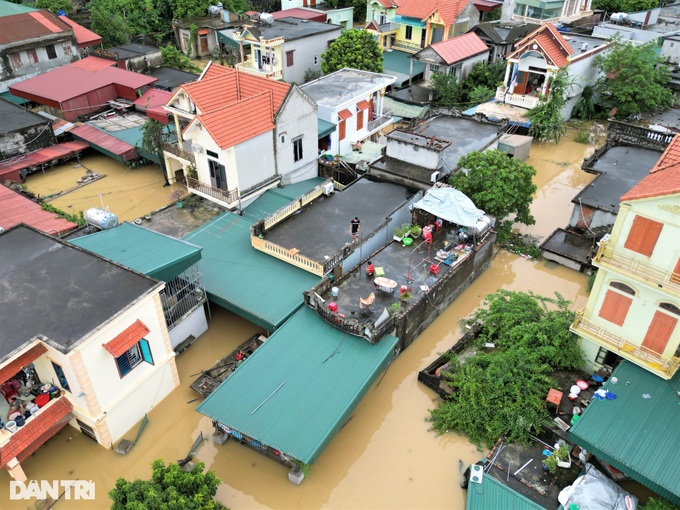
pixel 101 218
pixel 267 18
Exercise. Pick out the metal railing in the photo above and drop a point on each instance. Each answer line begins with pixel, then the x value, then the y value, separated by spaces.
pixel 638 354
pixel 521 100
pixel 228 197
pixel 288 256
pixel 658 277
pixel 181 149
pixel 291 208
pixel 409 47
pixel 182 295
pixel 635 133
pixel 374 125
pixel 249 66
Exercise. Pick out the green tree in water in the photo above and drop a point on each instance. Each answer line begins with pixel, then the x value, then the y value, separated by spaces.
pixel 633 79
pixel 169 488
pixel 355 48
pixel 446 90
pixel 547 122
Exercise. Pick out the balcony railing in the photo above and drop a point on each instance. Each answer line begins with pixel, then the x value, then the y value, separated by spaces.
pixel 249 66
pixel 375 125
pixel 39 423
pixel 656 276
pixel 181 150
pixel 406 46
pixel 224 197
pixel 638 354
pixel 520 100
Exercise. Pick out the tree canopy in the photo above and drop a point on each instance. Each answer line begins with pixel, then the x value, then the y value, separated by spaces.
pixel 118 21
pixel 504 391
pixel 625 5
pixel 359 12
pixel 633 79
pixel 170 488
pixel 174 59
pixel 54 6
pixel 547 122
pixel 355 48
pixel 499 185
pixel 478 87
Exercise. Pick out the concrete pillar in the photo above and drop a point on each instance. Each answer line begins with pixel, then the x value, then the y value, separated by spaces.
pixel 507 74
pixel 16 471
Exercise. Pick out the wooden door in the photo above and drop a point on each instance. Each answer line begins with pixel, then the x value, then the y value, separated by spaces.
pixel 204 44
pixel 659 332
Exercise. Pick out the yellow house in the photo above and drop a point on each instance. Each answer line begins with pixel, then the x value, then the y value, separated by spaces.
pixel 634 306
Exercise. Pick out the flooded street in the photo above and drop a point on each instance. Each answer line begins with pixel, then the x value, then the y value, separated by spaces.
pixel 127 192
pixel 384 457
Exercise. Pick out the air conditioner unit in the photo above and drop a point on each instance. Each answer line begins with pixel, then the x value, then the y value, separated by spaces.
pixel 476 473
pixel 328 188
pixel 197 149
pixel 434 177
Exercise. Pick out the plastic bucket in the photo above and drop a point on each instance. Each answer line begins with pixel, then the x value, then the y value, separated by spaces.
pixel 11 426
pixel 335 291
pixel 20 420
pixel 34 409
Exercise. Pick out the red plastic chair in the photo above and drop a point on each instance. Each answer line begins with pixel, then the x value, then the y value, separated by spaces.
pixel 8 391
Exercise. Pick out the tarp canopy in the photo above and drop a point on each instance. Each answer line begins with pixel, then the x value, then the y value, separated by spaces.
pixel 451 205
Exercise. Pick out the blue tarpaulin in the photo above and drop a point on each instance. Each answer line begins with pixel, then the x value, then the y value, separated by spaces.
pixel 451 205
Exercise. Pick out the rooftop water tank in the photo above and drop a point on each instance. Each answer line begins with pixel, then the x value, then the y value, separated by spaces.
pixel 267 18
pixel 101 218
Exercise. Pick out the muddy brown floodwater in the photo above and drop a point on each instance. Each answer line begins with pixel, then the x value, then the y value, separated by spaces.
pixel 384 457
pixel 127 192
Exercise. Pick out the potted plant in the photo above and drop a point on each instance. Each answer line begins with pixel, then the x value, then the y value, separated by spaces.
pixel 562 456
pixel 398 234
pixel 405 296
pixel 395 307
pixel 550 463
pixel 416 231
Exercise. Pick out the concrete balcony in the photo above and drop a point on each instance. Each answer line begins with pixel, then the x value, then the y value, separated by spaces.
pixel 378 123
pixel 407 47
pixel 180 149
pixel 250 67
pixel 640 270
pixel 520 100
pixel 226 198
pixel 641 356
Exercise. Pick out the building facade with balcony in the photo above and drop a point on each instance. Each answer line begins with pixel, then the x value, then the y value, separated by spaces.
pixel 286 48
pixel 538 57
pixel 241 134
pixel 425 22
pixel 93 329
pixel 634 306
pixel 564 11
pixel 352 100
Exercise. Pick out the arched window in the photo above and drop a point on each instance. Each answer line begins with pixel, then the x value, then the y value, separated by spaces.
pixel 622 287
pixel 670 307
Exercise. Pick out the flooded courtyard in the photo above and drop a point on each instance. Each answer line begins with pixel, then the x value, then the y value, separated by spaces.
pixel 384 457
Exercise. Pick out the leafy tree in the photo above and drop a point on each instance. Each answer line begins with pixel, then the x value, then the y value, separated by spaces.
pixel 633 79
pixel 54 6
pixel 480 94
pixel 659 504
pixel 192 8
pixel 354 48
pixel 311 74
pixel 152 141
pixel 547 122
pixel 118 21
pixel 504 392
pixel 625 5
pixel 584 108
pixel 359 12
pixel 173 58
pixel 446 90
pixel 483 75
pixel 111 26
pixel 169 488
pixel 500 185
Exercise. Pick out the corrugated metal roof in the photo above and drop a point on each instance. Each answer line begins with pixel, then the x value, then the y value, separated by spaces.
pixel 84 37
pixel 36 158
pixel 274 199
pixel 492 494
pixel 17 209
pixel 297 390
pixel 24 26
pixel 147 252
pixel 103 141
pixel 325 128
pixel 250 283
pixel 638 431
pixel 10 8
pixel 399 109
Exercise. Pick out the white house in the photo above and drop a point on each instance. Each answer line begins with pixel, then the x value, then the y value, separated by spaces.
pixel 539 56
pixel 456 56
pixel 284 49
pixel 241 134
pixel 352 100
pixel 94 329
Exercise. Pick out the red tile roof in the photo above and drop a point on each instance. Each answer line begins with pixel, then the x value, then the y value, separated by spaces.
pixel 16 208
pixel 129 337
pixel 239 121
pixel 388 4
pixel 30 25
pixel 663 179
pixel 37 430
pixel 16 364
pixel 84 37
pixel 422 9
pixel 460 48
pixel 556 48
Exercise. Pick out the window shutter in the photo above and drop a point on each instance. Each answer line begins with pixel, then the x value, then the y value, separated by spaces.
pixel 651 236
pixel 341 130
pixel 659 332
pixel 615 307
pixel 146 351
pixel 643 235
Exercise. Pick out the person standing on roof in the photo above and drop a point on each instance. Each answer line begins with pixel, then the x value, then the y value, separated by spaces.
pixel 354 226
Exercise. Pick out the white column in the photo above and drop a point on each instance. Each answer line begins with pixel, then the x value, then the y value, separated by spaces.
pixel 507 74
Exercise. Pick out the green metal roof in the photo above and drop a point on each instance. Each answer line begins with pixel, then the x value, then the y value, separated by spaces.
pixel 297 390
pixel 638 431
pixel 274 199
pixel 399 109
pixel 7 96
pixel 252 284
pixel 9 8
pixel 147 252
pixel 325 128
pixel 493 494
pixel 400 62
